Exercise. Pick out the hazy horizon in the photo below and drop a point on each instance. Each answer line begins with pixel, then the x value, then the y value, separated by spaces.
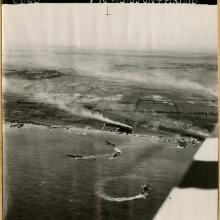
pixel 130 27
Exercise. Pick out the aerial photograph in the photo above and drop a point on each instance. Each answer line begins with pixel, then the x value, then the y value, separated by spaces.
pixel 105 108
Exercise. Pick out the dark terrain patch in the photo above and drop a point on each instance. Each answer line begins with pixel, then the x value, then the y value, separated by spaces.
pixel 33 74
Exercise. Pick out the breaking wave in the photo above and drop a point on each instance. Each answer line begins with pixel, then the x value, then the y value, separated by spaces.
pixel 86 158
pixel 117 149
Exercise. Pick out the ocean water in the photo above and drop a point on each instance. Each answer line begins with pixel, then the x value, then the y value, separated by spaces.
pixel 40 183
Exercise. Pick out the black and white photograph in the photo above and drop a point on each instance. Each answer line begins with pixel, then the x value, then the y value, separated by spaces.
pixel 110 111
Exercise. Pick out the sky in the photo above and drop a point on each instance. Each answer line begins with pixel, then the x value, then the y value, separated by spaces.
pixel 145 27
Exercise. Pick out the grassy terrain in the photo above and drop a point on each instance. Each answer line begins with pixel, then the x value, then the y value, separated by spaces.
pixel 142 108
pixel 150 92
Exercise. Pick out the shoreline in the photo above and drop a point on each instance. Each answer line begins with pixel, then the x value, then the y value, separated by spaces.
pixel 160 138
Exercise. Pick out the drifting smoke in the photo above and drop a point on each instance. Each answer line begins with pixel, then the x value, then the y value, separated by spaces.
pixel 163 80
pixel 61 102
pixel 156 122
pixel 74 109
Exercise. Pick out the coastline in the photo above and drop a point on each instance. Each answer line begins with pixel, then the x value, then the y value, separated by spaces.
pixel 160 137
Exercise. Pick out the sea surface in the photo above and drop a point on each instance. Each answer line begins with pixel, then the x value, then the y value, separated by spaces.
pixel 40 183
